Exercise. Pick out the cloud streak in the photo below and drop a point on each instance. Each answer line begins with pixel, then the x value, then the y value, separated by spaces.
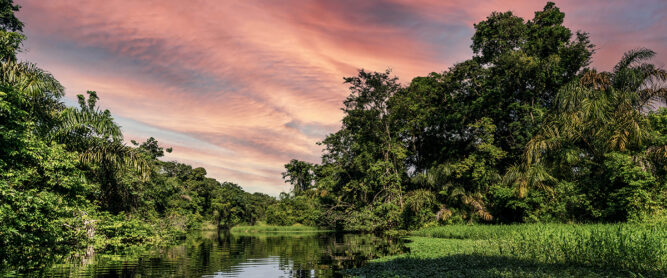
pixel 240 87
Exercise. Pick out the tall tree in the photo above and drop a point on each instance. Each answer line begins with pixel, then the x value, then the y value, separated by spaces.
pixel 363 162
pixel 299 174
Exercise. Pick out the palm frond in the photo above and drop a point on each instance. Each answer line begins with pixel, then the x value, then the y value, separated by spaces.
pixel 633 56
pixel 90 123
pixel 30 80
pixel 118 156
pixel 525 177
pixel 595 80
pixel 443 214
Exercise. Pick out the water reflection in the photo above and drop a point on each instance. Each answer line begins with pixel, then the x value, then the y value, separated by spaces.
pixel 214 254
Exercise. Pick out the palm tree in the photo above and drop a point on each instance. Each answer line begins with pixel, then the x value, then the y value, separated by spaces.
pixel 38 91
pixel 33 82
pixel 87 130
pixel 457 194
pixel 604 111
pixel 40 94
pixel 600 113
pixel 95 136
pixel 98 139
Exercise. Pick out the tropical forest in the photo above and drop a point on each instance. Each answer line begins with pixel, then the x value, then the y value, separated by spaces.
pixel 522 160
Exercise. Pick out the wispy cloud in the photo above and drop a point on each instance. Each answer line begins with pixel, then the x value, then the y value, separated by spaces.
pixel 240 87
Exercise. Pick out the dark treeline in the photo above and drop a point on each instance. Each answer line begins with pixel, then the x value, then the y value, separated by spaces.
pixel 524 131
pixel 68 180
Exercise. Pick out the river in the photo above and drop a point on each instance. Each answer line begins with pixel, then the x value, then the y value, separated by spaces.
pixel 212 254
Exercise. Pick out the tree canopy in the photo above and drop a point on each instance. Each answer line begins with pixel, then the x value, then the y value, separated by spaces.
pixel 523 131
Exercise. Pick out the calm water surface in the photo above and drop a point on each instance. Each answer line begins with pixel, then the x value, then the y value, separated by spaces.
pixel 214 254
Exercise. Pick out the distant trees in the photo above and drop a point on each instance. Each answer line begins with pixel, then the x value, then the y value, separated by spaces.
pixel 300 205
pixel 299 174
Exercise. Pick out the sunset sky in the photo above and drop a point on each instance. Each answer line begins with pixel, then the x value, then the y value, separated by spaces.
pixel 241 87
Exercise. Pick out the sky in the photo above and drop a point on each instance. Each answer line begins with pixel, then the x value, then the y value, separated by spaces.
pixel 240 87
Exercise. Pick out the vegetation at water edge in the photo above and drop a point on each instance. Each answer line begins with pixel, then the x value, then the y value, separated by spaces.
pixel 273 228
pixel 529 250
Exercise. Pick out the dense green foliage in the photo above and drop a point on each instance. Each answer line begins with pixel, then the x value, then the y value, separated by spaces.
pixel 68 180
pixel 523 131
pixel 529 250
pixel 272 229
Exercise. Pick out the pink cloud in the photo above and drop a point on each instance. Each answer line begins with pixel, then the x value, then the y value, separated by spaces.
pixel 240 87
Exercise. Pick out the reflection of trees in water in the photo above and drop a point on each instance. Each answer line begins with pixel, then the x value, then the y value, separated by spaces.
pixel 352 250
pixel 324 252
pixel 297 255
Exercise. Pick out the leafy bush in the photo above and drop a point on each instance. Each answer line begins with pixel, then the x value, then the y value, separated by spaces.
pixel 273 228
pixel 294 210
pixel 42 207
pixel 35 223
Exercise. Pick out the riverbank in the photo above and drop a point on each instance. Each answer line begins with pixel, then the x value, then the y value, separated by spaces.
pixel 529 250
pixel 263 228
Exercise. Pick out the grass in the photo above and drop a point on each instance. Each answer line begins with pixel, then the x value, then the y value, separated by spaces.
pixel 529 250
pixel 474 231
pixel 261 228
